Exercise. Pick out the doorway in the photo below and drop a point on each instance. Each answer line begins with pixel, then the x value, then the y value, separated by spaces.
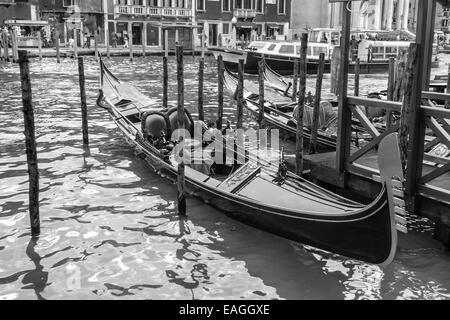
pixel 137 34
pixel 213 34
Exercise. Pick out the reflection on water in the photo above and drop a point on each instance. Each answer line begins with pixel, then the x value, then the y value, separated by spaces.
pixel 109 225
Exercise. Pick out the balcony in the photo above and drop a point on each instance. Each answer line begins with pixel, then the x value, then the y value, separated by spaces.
pixel 153 11
pixel 245 13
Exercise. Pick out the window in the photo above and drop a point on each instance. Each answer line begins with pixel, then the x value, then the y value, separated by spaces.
pixel 289 49
pixel 138 2
pixel 153 3
pixel 281 6
pixel 201 5
pixel 260 6
pixel 226 5
pixel 226 28
pixel 248 4
pixel 238 4
pixel 69 3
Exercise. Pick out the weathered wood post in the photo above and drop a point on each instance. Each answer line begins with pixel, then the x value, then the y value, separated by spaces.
pixel 130 40
pixel 220 72
pixel 406 111
pixel 83 102
pixel 165 72
pixel 447 103
pixel 144 42
pixel 335 67
pixel 75 43
pixel 295 81
pixel 1 46
pixel 40 45
pixel 181 183
pixel 301 105
pixel 317 101
pixel 6 47
pixel 30 139
pixel 240 95
pixel 14 44
pixel 357 76
pixel 58 53
pixel 201 75
pixel 391 87
pixel 107 42
pixel 262 98
pixel 96 46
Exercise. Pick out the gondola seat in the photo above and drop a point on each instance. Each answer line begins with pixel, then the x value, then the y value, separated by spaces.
pixel 153 123
pixel 172 116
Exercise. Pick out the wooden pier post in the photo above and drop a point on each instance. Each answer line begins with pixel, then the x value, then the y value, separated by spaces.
pixel 165 81
pixel 130 40
pixel 357 76
pixel 405 116
pixel 220 72
pixel 144 41
pixel 58 53
pixel 75 43
pixel 30 139
pixel 391 88
pixel 181 183
pixel 317 101
pixel 240 95
pixel 262 98
pixel 108 49
pixel 1 47
pixel 40 45
pixel 96 46
pixel 6 47
pixel 301 105
pixel 335 67
pixel 201 76
pixel 83 102
pixel 447 103
pixel 344 113
pixel 14 44
pixel 295 81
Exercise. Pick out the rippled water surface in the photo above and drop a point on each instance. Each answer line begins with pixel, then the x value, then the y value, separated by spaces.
pixel 110 222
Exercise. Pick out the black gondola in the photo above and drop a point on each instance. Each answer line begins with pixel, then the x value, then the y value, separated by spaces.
pixel 295 208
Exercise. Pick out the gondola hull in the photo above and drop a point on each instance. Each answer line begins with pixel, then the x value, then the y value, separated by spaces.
pixel 295 209
pixel 366 238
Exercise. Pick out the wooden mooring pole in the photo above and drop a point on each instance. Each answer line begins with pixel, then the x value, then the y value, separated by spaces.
pixel 84 114
pixel 75 43
pixel 220 72
pixel 301 105
pixel 357 76
pixel 317 101
pixel 391 88
pixel 406 112
pixel 201 76
pixel 447 103
pixel 181 183
pixel 58 53
pixel 30 139
pixel 165 81
pixel 40 45
pixel 262 98
pixel 14 44
pixel 295 81
pixel 5 41
pixel 240 95
pixel 96 52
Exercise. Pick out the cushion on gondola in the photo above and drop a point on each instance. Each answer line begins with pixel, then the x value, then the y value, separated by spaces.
pixel 153 123
pixel 172 115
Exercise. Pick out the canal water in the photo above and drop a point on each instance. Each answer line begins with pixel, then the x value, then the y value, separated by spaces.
pixel 109 225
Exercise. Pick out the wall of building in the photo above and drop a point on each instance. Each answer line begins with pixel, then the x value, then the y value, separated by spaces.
pixel 309 14
pixel 21 10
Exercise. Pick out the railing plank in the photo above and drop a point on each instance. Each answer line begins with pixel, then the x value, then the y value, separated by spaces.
pixel 439 131
pixel 375 103
pixel 435 174
pixel 436 112
pixel 365 121
pixel 436 96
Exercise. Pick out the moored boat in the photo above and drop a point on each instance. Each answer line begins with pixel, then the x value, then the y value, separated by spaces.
pixel 253 192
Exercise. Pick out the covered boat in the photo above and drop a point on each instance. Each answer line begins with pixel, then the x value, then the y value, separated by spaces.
pixel 253 191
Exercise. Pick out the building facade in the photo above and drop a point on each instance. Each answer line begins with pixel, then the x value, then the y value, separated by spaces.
pixel 252 19
pixel 65 16
pixel 147 20
pixel 18 10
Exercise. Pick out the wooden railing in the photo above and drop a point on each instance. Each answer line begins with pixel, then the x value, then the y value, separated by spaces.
pixel 435 122
pixel 153 11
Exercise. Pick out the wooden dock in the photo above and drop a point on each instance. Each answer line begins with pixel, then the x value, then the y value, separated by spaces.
pixel 424 124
